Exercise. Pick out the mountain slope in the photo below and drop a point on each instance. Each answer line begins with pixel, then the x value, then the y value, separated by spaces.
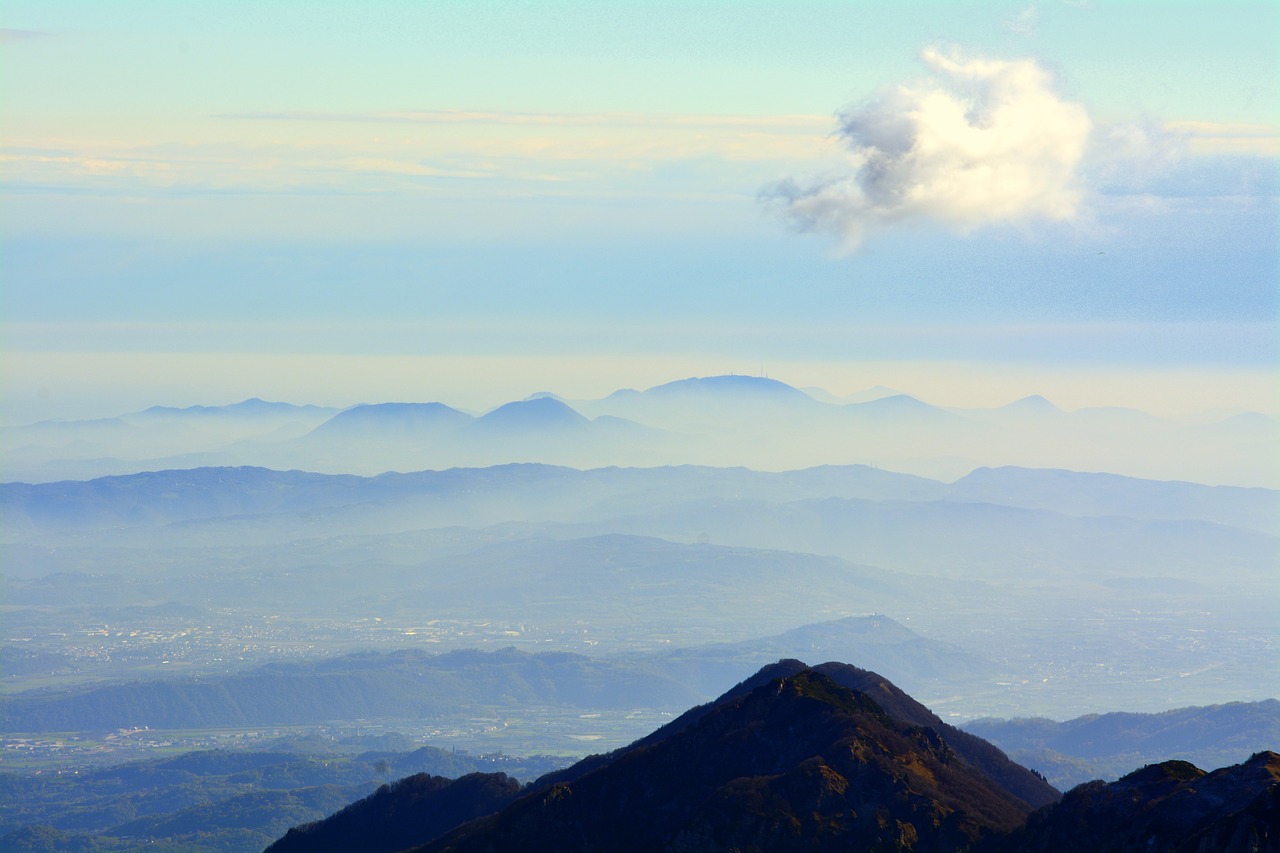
pixel 401 814
pixel 383 421
pixel 1105 746
pixel 798 763
pixel 403 684
pixel 1173 806
pixel 794 758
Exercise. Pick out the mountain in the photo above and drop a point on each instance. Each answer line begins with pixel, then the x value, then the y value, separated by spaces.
pixel 787 760
pixel 1173 806
pixel 729 406
pixel 896 703
pixel 795 758
pixel 639 585
pixel 391 421
pixel 1106 746
pixel 538 414
pixel 407 684
pixel 721 420
pixel 141 441
pixel 251 408
pixel 526 490
pixel 796 763
pixel 413 684
pixel 402 814
pixel 229 800
pixel 899 406
pixel 1096 494
pixel 731 387
pixel 416 436
pixel 878 642
pixel 540 491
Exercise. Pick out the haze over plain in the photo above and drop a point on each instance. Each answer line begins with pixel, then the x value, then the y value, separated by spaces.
pixel 390 376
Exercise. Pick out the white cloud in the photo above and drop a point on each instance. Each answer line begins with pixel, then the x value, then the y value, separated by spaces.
pixel 986 141
pixel 1203 137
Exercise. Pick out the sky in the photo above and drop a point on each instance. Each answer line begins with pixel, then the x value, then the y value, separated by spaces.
pixel 337 202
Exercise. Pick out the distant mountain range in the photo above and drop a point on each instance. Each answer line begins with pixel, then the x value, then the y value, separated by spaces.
pixel 718 420
pixel 1085 591
pixel 816 759
pixel 1105 746
pixel 548 493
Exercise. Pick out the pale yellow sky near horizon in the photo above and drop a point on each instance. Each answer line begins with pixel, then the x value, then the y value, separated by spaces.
pixel 69 386
pixel 473 202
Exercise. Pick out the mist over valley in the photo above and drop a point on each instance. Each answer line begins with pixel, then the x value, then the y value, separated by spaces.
pixel 688 427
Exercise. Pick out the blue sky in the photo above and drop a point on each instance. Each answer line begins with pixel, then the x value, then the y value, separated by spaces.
pixel 335 202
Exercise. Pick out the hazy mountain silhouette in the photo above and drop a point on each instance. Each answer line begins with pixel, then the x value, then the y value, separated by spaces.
pixel 541 413
pixel 1080 493
pixel 1106 746
pixel 392 420
pixel 251 408
pixel 719 420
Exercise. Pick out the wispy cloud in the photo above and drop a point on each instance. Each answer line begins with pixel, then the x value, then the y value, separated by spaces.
pixel 592 153
pixel 8 36
pixel 775 123
pixel 1204 137
pixel 985 141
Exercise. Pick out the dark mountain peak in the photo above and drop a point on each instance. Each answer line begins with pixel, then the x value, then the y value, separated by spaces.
pixel 1173 806
pixel 402 814
pixel 811 684
pixel 888 699
pixel 798 762
pixel 536 413
pixel 1166 771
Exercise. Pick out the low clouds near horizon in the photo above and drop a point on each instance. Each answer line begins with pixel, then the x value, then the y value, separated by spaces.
pixel 984 142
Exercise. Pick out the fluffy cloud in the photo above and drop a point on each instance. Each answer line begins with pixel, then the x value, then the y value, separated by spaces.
pixel 985 141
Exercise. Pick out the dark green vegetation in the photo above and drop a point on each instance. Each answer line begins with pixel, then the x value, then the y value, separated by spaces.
pixel 216 801
pixel 1106 746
